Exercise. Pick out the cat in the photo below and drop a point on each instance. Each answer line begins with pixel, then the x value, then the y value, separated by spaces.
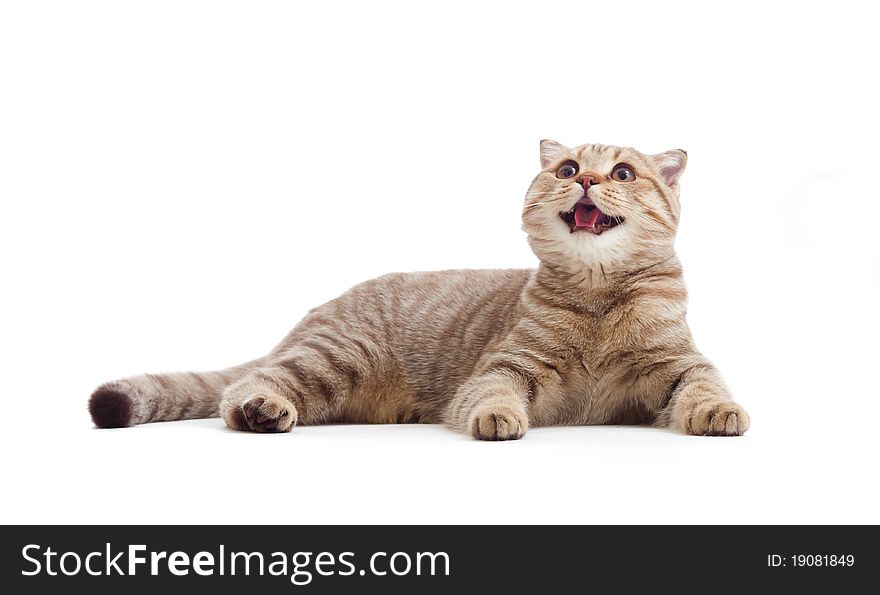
pixel 596 334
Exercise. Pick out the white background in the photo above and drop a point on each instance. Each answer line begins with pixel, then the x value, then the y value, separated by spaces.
pixel 181 181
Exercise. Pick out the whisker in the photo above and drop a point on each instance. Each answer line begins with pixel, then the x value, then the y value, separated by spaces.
pixel 534 205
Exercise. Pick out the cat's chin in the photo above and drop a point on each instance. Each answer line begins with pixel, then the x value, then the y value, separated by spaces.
pixel 586 217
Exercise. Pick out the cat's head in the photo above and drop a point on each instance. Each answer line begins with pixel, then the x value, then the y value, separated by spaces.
pixel 601 205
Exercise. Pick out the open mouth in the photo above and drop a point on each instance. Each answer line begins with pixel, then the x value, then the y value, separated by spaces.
pixel 586 216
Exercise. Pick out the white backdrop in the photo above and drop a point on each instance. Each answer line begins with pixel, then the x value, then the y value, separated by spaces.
pixel 182 181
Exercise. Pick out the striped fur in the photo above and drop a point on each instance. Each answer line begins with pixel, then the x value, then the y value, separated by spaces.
pixel 595 335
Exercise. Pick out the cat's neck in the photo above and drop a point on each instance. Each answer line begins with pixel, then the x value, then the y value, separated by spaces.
pixel 596 285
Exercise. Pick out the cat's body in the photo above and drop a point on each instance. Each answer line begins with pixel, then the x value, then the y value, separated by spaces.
pixel 595 335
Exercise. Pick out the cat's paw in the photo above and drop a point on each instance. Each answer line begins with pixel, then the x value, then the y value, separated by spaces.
pixel 499 422
pixel 717 418
pixel 270 413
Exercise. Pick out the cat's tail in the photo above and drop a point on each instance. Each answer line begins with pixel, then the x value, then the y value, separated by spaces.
pixel 161 397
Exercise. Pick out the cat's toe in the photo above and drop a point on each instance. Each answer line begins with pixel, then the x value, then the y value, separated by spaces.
pixel 719 418
pixel 268 414
pixel 499 422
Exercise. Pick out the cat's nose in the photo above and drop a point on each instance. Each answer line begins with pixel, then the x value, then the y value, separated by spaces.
pixel 588 181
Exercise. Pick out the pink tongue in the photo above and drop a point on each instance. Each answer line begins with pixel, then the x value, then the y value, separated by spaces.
pixel 584 217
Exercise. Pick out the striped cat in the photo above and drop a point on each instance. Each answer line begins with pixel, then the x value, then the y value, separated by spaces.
pixel 595 335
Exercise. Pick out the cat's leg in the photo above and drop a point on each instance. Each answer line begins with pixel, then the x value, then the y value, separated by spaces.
pixel 305 385
pixel 700 404
pixel 260 402
pixel 491 406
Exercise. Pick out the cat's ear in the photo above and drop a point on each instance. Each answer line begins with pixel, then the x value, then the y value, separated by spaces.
pixel 551 151
pixel 671 165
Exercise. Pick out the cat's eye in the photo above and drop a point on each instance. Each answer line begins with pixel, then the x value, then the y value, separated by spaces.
pixel 569 169
pixel 623 173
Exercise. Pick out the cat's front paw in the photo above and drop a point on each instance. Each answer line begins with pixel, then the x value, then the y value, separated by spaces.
pixel 499 422
pixel 270 413
pixel 717 418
